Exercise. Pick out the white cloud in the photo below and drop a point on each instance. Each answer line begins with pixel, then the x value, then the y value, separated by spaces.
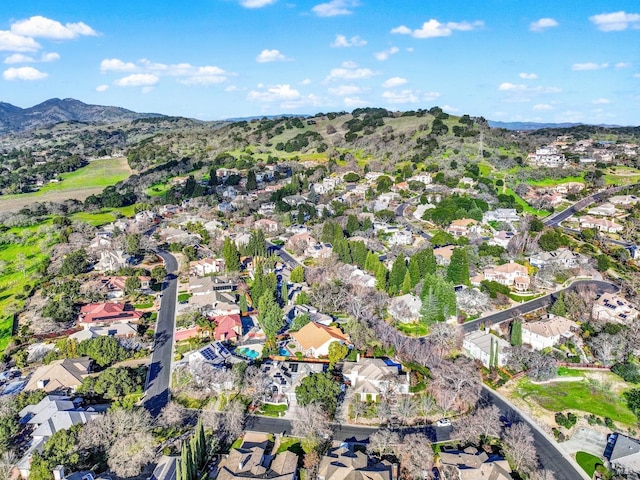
pixel 349 71
pixel 18 58
pixel 267 56
pixel 623 65
pixel 185 73
pixel 116 65
pixel 342 41
pixel 408 96
pixel 23 73
pixel 394 82
pixel 49 57
pixel 385 54
pixel 138 80
pixel 542 24
pixel 616 21
pixel 231 88
pixel 39 26
pixel 580 67
pixel 306 81
pixel 344 90
pixel 10 42
pixel 433 28
pixel 519 92
pixel 528 76
pixel 354 102
pixel 601 101
pixel 147 89
pixel 102 88
pixel 256 3
pixel 449 108
pixel 542 107
pixel 636 75
pixel 335 7
pixel 274 94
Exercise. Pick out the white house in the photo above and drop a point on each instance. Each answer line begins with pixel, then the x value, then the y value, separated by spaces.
pixel 613 308
pixel 372 377
pixel 113 260
pixel 479 345
pixel 510 274
pixel 600 224
pixel 405 308
pixel 285 377
pixel 401 237
pixel 501 215
pixel 422 177
pixel 266 225
pixel 206 266
pixel 562 257
pixel 548 331
pixel 605 210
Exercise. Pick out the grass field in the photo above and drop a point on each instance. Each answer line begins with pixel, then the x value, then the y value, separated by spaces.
pixel 270 410
pixel 588 462
pixel 622 176
pixel 580 396
pixel 415 329
pixel 104 216
pixel 548 182
pixel 85 181
pixel 525 206
pixel 20 261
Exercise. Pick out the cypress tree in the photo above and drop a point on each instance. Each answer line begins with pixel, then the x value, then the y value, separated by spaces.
pixel 516 332
pixel 242 303
pixel 398 271
pixel 492 354
pixel 458 271
pixel 406 283
pixel 414 271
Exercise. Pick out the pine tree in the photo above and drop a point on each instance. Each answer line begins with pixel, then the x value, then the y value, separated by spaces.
pixel 359 253
pixel 516 332
pixel 414 271
pixel 559 308
pixel 426 262
pixel 381 276
pixel 204 451
pixel 231 255
pixel 398 271
pixel 252 183
pixel 492 354
pixel 242 303
pixel 353 225
pixel 430 311
pixel 458 271
pixel 406 283
pixel 284 293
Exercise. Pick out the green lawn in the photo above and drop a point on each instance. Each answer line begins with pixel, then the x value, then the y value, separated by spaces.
pixel 570 372
pixel 525 206
pixel 270 410
pixel 416 329
pixel 588 462
pixel 99 173
pixel 20 262
pixel 290 444
pixel 580 396
pixel 548 182
pixel 104 216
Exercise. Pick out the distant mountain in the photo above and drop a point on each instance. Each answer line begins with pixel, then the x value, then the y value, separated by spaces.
pixel 538 126
pixel 50 112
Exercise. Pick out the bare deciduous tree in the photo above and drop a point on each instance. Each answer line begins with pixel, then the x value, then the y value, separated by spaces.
pixel 456 385
pixel 357 409
pixel 481 425
pixel 8 461
pixel 406 409
pixel 519 448
pixel 416 456
pixel 312 424
pixel 172 415
pixel 232 420
pixel 383 441
pixel 130 453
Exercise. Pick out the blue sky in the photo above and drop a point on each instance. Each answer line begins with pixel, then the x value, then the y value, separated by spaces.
pixel 509 60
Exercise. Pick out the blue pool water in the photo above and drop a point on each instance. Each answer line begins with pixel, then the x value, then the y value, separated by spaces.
pixel 284 352
pixel 249 353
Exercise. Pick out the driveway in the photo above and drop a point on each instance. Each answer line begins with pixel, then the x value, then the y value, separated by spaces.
pixel 585 440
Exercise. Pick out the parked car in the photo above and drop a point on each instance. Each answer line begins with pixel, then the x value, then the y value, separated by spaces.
pixel 443 422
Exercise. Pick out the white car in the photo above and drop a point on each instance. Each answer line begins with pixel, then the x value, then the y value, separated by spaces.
pixel 443 422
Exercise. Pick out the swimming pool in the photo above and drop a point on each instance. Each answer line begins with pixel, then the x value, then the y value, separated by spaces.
pixel 249 353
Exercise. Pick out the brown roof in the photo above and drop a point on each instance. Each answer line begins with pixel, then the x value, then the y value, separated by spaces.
pixel 60 375
pixel 314 335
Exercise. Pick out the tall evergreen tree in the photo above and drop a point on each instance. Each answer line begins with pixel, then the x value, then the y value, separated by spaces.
pixel 414 271
pixel 396 277
pixel 406 283
pixel 231 255
pixel 353 225
pixel 359 253
pixel 252 183
pixel 516 332
pixel 242 303
pixel 458 271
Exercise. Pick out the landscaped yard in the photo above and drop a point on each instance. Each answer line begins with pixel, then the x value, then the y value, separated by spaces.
pixel 416 329
pixel 525 206
pixel 271 410
pixel 290 444
pixel 104 216
pixel 583 396
pixel 588 462
pixel 547 182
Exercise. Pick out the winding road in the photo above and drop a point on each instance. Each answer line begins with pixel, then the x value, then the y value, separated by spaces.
pixel 159 375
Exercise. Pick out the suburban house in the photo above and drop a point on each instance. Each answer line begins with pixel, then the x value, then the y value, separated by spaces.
pixel 300 241
pixel 266 225
pixel 215 354
pixel 372 377
pixel 112 261
pixel 605 210
pixel 547 157
pixel 405 308
pixel 601 224
pixel 114 286
pixel 501 238
pixel 422 178
pixel 501 215
pixel 443 254
pixel 612 308
pixel 215 304
pixel 510 274
pixel 320 250
pixel 548 331
pixel 52 414
pixel 474 465
pixel 562 257
pixel 285 377
pixel 623 453
pixel 293 311
pixel 624 200
pixel 267 208
pixel 463 227
pixel 206 266
pixel 228 328
pixel 254 460
pixel 401 237
pixel 60 375
pixel 480 344
pixel 314 339
pixel 206 285
pixel 102 314
pixel 344 463
pixel 117 330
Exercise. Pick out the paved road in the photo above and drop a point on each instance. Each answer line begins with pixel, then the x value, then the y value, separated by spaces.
pixel 548 453
pixel 159 376
pixel 601 287
pixel 284 256
pixel 555 219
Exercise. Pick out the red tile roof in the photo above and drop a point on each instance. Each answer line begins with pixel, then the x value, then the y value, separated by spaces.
pixel 107 312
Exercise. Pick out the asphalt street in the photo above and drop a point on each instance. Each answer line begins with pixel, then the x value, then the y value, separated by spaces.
pixel 284 256
pixel 159 376
pixel 601 287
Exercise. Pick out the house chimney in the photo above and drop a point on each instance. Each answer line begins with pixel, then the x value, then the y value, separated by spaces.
pixel 58 473
pixel 358 357
pixel 41 384
pixel 394 471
